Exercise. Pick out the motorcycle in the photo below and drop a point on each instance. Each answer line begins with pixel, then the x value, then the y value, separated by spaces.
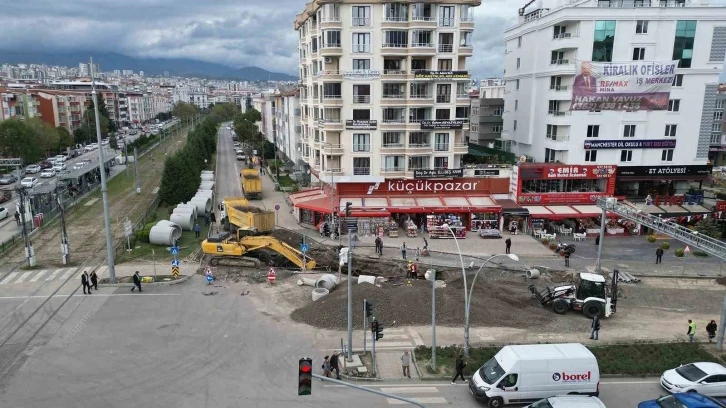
pixel 565 247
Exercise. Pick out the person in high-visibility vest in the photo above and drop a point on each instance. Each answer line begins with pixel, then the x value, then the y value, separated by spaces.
pixel 691 330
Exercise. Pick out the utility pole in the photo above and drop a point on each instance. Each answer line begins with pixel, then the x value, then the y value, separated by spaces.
pixel 598 262
pixel 65 248
pixel 432 275
pixel 29 251
pixel 126 158
pixel 104 186
pixel 136 170
pixel 350 294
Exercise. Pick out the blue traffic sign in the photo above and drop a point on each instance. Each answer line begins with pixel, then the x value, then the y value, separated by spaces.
pixel 174 262
pixel 175 250
pixel 304 247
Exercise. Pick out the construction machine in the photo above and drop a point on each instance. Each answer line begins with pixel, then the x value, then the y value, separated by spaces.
pixel 251 183
pixel 589 294
pixel 230 249
pixel 236 212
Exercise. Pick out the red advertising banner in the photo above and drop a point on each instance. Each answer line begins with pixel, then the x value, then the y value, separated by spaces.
pixel 565 171
pixel 454 186
pixel 720 206
pixel 559 198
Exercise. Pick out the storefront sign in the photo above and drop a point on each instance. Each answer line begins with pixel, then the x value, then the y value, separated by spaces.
pixel 453 187
pixel 486 172
pixel 361 74
pixel 560 171
pixel 514 182
pixel 720 206
pixel 559 198
pixel 717 149
pixel 361 124
pixel 663 171
pixel 438 173
pixel 631 144
pixel 442 124
pixel 441 75
pixel 622 86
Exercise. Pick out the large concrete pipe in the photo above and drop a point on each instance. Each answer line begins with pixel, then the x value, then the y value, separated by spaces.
pixel 306 281
pixel 207 193
pixel 532 274
pixel 188 206
pixel 207 177
pixel 204 205
pixel 167 223
pixel 207 172
pixel 188 211
pixel 327 281
pixel 373 280
pixel 184 220
pixel 206 184
pixel 161 235
pixel 319 293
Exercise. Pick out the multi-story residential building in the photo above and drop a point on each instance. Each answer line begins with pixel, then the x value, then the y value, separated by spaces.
pixel 384 87
pixel 288 124
pixel 265 104
pixel 487 108
pixel 717 150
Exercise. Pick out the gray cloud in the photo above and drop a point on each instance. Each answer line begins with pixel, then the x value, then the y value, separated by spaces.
pixel 237 33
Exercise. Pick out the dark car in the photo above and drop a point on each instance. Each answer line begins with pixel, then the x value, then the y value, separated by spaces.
pixel 46 165
pixel 683 400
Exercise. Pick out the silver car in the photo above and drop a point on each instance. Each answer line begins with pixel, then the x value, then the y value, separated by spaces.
pixel 7 179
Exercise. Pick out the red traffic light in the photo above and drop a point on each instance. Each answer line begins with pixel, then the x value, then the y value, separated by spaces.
pixel 305 368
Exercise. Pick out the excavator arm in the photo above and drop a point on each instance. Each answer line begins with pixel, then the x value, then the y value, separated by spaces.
pixel 252 243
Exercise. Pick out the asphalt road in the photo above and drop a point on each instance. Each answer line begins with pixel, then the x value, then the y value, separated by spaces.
pixel 226 176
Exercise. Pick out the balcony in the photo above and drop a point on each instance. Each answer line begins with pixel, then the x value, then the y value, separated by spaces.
pixel 466 21
pixel 361 22
pixel 331 50
pixel 558 113
pixel 441 147
pixel 462 96
pixel 559 62
pixel 398 169
pixel 361 171
pixel 361 148
pixel 332 100
pixel 557 142
pixel 394 74
pixel 447 22
pixel 419 146
pixel 360 49
pixel 559 88
pixel 388 49
pixel 461 148
pixel 361 99
pixel 393 147
pixel 335 171
pixel 466 50
pixel 330 22
pixel 423 48
pixel 443 98
pixel 330 75
pixel 332 149
pixel 446 48
pixel 331 124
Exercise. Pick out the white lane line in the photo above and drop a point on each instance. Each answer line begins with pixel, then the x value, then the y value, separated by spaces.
pixel 404 385
pixel 424 400
pixel 39 275
pixel 68 273
pixel 416 337
pixel 9 278
pixel 54 274
pixel 23 277
pixel 630 382
pixel 94 294
pixel 405 390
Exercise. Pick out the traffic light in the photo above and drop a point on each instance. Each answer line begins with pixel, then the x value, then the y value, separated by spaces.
pixel 369 308
pixel 374 327
pixel 379 331
pixel 305 377
pixel 347 208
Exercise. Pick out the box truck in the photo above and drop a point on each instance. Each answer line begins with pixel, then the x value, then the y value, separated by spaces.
pixel 527 373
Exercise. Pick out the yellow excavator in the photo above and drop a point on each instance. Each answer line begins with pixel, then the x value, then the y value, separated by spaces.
pixel 230 249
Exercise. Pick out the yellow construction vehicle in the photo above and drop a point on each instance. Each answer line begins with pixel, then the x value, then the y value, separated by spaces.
pixel 236 212
pixel 230 249
pixel 251 183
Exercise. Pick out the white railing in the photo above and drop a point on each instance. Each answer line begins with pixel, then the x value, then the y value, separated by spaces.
pixel 395 19
pixel 361 171
pixel 393 72
pixel 558 138
pixel 361 48
pixel 332 97
pixel 331 45
pixel 330 20
pixel 446 47
pixel 361 99
pixel 423 18
pixel 422 45
pixel 562 36
pixel 396 96
pixel 324 73
pixel 332 120
pixel 466 19
pixel 441 147
pixel 421 96
pixel 559 62
pixel 394 121
pixel 361 22
pixel 361 147
pixel 392 145
pixel 419 145
pixel 391 169
pixel 559 87
pixel 394 45
pixel 447 22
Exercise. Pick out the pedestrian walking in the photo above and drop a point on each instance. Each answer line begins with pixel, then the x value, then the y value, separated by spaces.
pixel 94 280
pixel 326 367
pixel 405 363
pixel 17 217
pixel 379 246
pixel 137 282
pixel 567 259
pixel 711 330
pixel 261 169
pixel 86 283
pixel 334 365
pixel 595 328
pixel 426 244
pixel 207 220
pixel 197 229
pixel 213 217
pixel 659 255
pixel 691 330
pixel 460 364
pixel 507 245
pixel 403 251
pixel 597 239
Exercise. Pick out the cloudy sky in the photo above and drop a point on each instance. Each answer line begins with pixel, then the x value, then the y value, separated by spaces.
pixel 232 32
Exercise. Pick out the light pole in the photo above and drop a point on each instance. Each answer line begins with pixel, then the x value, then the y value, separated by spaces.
pixel 332 192
pixel 466 295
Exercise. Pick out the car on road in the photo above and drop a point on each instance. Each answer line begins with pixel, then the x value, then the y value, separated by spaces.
pixel 60 158
pixel 29 182
pixel 59 166
pixel 5 195
pixel 239 151
pixel 46 164
pixel 48 173
pixel 4 213
pixel 241 157
pixel 703 378
pixel 33 169
pixel 80 165
pixel 683 400
pixel 569 401
pixel 490 233
pixel 7 179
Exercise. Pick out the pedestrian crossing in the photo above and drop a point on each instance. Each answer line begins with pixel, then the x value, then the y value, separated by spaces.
pixel 396 339
pixel 423 394
pixel 45 275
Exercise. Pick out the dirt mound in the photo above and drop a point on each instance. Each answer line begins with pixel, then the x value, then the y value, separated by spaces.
pixel 250 209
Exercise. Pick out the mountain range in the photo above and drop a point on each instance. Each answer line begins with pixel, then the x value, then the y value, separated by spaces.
pixel 109 61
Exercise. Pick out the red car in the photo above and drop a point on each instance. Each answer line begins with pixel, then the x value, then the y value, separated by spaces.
pixel 5 196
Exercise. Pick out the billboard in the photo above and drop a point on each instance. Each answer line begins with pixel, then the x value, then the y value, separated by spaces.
pixel 566 171
pixel 630 144
pixel 622 86
pixel 441 75
pixel 442 124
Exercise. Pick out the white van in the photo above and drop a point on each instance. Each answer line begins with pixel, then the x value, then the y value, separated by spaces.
pixel 527 373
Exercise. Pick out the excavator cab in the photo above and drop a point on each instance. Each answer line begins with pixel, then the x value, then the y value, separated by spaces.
pixel 590 285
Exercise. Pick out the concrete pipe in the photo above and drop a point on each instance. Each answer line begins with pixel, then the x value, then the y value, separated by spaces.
pixel 327 281
pixel 187 211
pixel 206 184
pixel 204 195
pixel 161 235
pixel 184 220
pixel 306 282
pixel 207 177
pixel 207 172
pixel 177 228
pixel 187 206
pixel 202 192
pixel 319 293
pixel 373 280
pixel 204 205
pixel 532 274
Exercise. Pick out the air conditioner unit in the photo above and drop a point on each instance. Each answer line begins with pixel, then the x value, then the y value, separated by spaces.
pixel 328 60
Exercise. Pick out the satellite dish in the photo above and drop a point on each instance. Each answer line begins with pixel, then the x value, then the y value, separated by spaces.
pixel 523 158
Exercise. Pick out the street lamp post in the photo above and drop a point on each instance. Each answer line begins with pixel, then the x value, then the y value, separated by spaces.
pixel 466 295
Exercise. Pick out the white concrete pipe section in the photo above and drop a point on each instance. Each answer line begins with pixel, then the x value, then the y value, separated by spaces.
pixel 204 194
pixel 184 220
pixel 319 293
pixel 187 211
pixel 187 206
pixel 532 274
pixel 327 281
pixel 204 204
pixel 373 280
pixel 306 282
pixel 207 177
pixel 206 185
pixel 207 172
pixel 177 228
pixel 161 235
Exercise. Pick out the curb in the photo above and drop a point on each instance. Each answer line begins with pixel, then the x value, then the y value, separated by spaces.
pixel 183 279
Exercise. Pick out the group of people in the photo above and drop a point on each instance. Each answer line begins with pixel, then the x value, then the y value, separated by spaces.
pixel 89 281
pixel 711 329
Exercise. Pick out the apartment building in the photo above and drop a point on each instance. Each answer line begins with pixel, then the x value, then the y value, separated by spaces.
pixel 288 124
pixel 551 35
pixel 384 87
pixel 487 108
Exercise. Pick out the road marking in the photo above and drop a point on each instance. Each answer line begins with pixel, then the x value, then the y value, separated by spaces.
pixel 90 202
pixel 23 277
pixel 68 273
pixel 630 382
pixel 39 275
pixel 53 275
pixel 416 337
pixel 425 400
pixel 9 278
pixel 404 385
pixel 404 390
pixel 94 294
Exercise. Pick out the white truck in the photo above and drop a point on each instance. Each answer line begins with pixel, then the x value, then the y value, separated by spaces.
pixel 523 374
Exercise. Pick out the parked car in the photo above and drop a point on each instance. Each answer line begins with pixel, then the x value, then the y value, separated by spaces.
pixel 683 400
pixel 60 158
pixel 4 213
pixel 48 173
pixel 703 378
pixel 8 179
pixel 490 233
pixel 46 164
pixel 241 157
pixel 569 401
pixel 79 165
pixel 59 167
pixel 33 169
pixel 29 182
pixel 5 195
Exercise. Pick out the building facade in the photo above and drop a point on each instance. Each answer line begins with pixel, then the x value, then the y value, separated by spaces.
pixel 487 108
pixel 384 87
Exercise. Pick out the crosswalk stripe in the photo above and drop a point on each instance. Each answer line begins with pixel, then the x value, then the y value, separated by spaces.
pixel 54 274
pixel 39 275
pixel 409 390
pixel 9 278
pixel 23 277
pixel 393 343
pixel 68 273
pixel 424 400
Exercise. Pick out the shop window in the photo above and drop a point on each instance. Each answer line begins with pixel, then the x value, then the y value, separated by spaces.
pixel 626 156
pixel 593 130
pixel 629 131
pixel 564 186
pixel 674 105
pixel 591 156
pixel 670 130
pixel 667 155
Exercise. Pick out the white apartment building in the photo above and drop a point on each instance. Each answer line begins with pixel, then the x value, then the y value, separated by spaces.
pixel 551 35
pixel 384 87
pixel 289 127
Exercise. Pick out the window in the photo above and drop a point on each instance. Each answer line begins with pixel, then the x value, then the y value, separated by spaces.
pixel 361 94
pixel 678 80
pixel 418 162
pixel 674 105
pixel 602 47
pixel 395 39
pixel 361 142
pixel 443 114
pixel 361 166
pixel 421 38
pixel 626 155
pixel 641 27
pixel 394 115
pixel 394 90
pixel 361 16
pixel 556 84
pixel 446 16
pixel 443 93
pixel 718 116
pixel 332 39
pixel 514 125
pixel 667 155
pixel 518 63
pixel 361 42
pixel 716 136
pixel 465 38
pixel 516 84
pixel 549 156
pixel 332 90
pixel 516 104
pixel 392 139
pixel 629 131
pixel 361 64
pixel 462 112
pixel 560 32
pixel 558 58
pixel 441 142
pixel 670 130
pixel 441 162
pixel 361 114
pixel 551 132
pixel 396 12
pixel 519 42
pixel 392 163
pixel 445 65
pixel 422 12
pixel 419 139
pixel 553 107
pixel 720 103
pixel 474 127
pixel 416 115
pixel 497 128
pixel 683 44
pixel 638 54
pixel 593 130
pixel 591 155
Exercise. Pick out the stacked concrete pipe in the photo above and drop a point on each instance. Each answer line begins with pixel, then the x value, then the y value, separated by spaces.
pixel 204 204
pixel 184 220
pixel 162 235
pixel 207 177
pixel 177 228
pixel 187 206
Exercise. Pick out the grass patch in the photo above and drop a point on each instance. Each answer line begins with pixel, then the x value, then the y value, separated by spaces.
pixel 285 181
pixel 130 279
pixel 636 359
pixel 700 254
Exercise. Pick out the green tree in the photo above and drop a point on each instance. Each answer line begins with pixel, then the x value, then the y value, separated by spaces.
pixel 184 111
pixel 253 115
pixel 17 139
pixel 708 227
pixel 223 112
pixel 103 112
pixel 65 140
pixel 45 135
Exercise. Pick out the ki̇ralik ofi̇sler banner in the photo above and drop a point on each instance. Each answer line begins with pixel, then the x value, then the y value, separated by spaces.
pixel 620 86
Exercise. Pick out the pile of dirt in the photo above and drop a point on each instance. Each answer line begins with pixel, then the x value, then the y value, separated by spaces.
pixel 250 209
pixel 505 302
